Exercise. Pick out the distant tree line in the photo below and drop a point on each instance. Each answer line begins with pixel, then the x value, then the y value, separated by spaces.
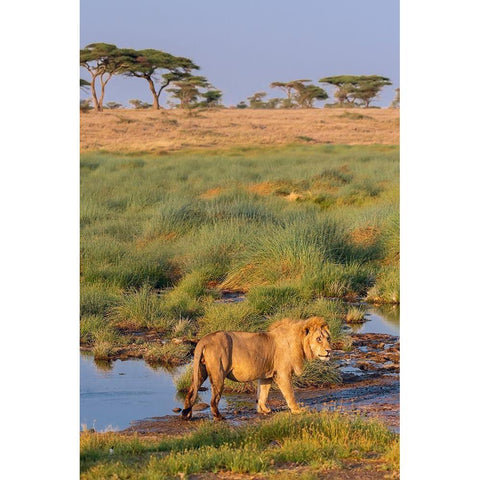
pixel 351 91
pixel 164 71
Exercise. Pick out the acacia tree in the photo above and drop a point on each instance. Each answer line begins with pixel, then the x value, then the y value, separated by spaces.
pixel 212 98
pixel 307 94
pixel 396 101
pixel 102 61
pixel 356 90
pixel 187 91
pixel 256 100
pixel 149 64
pixel 299 94
pixel 289 88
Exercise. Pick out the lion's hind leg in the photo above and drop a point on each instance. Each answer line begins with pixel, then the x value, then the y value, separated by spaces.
pixel 264 385
pixel 193 392
pixel 217 381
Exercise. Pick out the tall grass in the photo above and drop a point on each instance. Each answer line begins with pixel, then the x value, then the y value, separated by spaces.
pixel 140 308
pixel 236 317
pixel 160 236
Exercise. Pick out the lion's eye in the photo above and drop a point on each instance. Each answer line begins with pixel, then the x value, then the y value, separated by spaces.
pixel 319 339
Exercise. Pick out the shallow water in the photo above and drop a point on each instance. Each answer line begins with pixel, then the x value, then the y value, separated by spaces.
pixel 384 319
pixel 114 394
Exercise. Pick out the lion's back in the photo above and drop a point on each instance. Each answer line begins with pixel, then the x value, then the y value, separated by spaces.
pixel 244 355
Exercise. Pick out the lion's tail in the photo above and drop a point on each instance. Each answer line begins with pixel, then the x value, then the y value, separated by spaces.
pixel 199 376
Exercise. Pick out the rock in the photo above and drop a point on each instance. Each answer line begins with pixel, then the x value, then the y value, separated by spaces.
pixel 200 406
pixel 176 409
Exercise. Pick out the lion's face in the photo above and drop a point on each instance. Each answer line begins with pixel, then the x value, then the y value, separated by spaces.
pixel 317 339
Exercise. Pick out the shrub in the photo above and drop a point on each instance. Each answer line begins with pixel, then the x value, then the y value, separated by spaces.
pixel 85 105
pixel 139 104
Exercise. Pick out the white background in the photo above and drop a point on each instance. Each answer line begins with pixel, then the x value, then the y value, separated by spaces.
pixel 439 239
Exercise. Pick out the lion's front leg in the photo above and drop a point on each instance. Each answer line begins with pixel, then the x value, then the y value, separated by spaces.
pixel 264 385
pixel 284 382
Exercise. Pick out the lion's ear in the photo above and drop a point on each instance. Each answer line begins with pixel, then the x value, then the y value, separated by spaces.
pixel 306 327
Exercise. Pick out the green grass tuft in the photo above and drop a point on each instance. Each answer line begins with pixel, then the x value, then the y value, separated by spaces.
pixel 312 440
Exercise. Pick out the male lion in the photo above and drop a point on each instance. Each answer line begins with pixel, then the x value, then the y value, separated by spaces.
pixel 244 356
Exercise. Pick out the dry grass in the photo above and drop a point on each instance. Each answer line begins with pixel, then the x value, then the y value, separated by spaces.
pixel 148 131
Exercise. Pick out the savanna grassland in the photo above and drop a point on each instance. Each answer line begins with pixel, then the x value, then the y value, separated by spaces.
pixel 162 236
pixel 161 131
pixel 296 210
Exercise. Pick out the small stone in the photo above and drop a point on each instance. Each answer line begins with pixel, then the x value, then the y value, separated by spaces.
pixel 200 406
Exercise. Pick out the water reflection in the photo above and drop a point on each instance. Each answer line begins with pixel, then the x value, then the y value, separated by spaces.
pixel 391 313
pixel 381 319
pixel 103 365
pixel 113 394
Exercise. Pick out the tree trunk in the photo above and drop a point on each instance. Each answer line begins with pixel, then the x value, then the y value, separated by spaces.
pixel 156 105
pixel 94 94
pixel 102 94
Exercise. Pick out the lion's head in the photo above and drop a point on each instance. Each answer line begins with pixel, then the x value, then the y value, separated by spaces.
pixel 316 341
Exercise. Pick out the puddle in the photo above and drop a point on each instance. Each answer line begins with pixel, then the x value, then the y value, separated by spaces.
pixel 115 394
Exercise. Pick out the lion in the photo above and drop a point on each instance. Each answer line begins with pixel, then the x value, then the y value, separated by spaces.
pixel 266 357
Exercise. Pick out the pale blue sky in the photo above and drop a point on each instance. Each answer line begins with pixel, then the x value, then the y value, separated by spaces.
pixel 243 46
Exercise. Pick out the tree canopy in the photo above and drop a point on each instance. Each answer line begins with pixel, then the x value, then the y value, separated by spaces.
pixel 102 61
pixel 158 68
pixel 299 94
pixel 356 90
pixel 396 101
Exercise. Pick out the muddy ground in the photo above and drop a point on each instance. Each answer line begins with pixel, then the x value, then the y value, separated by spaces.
pixel 370 387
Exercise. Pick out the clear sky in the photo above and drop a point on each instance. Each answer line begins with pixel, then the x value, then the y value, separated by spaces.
pixel 243 46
